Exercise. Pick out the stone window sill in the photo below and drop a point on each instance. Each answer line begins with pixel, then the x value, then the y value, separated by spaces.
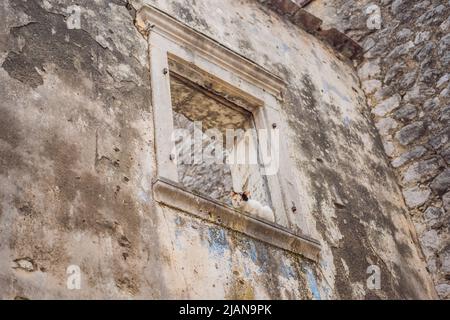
pixel 174 195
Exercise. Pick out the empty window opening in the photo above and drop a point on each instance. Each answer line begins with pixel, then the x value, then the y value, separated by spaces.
pixel 216 144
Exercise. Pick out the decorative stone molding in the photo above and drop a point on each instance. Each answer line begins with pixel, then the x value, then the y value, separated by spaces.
pixel 213 51
pixel 216 68
pixel 175 196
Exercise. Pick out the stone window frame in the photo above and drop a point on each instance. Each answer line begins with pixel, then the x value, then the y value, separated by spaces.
pixel 169 39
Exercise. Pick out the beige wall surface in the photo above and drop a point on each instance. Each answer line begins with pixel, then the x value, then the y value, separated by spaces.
pixel 77 161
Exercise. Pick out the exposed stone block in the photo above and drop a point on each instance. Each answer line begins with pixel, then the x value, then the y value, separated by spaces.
pixel 446 201
pixel 306 21
pixel 443 80
pixel 443 290
pixel 415 153
pixel 386 125
pixel 310 23
pixel 406 113
pixel 371 86
pixel 302 3
pixel 446 155
pixel 445 114
pixel 445 261
pixel 431 105
pixel 430 242
pixel 409 56
pixel 284 7
pixel 441 183
pixel 410 133
pixel 416 196
pixel 387 105
pixel 369 70
pixel 432 16
pixel 421 171
pixel 397 6
pixel 341 43
pixel 424 52
pixel 432 216
pixel 439 139
pixel 25 264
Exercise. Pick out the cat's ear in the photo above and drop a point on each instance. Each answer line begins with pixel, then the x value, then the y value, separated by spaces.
pixel 247 194
pixel 232 193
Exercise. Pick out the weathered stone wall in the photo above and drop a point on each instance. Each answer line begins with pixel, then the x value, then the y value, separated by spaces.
pixel 77 161
pixel 405 75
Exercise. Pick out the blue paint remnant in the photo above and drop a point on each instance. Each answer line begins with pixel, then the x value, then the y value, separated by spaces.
pixel 258 254
pixel 252 252
pixel 143 196
pixel 318 61
pixel 179 242
pixel 327 292
pixel 312 283
pixel 247 271
pixel 217 241
pixel 285 48
pixel 347 121
pixel 328 87
pixel 263 258
pixel 286 270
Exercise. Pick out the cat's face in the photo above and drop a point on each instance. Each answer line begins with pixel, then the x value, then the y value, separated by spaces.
pixel 238 200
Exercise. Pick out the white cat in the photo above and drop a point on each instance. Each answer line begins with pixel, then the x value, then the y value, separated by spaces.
pixel 242 201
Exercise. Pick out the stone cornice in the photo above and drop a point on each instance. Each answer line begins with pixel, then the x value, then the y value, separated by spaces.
pixel 294 12
pixel 150 18
pixel 176 196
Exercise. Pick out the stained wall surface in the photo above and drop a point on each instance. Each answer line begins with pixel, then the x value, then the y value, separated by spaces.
pixel 77 160
pixel 405 76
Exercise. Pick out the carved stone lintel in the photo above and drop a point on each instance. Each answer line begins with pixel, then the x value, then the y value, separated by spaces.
pixel 150 19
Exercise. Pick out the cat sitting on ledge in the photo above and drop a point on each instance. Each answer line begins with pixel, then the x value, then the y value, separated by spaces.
pixel 243 202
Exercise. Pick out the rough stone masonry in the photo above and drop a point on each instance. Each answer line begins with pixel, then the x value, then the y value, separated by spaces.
pixel 405 76
pixel 77 155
